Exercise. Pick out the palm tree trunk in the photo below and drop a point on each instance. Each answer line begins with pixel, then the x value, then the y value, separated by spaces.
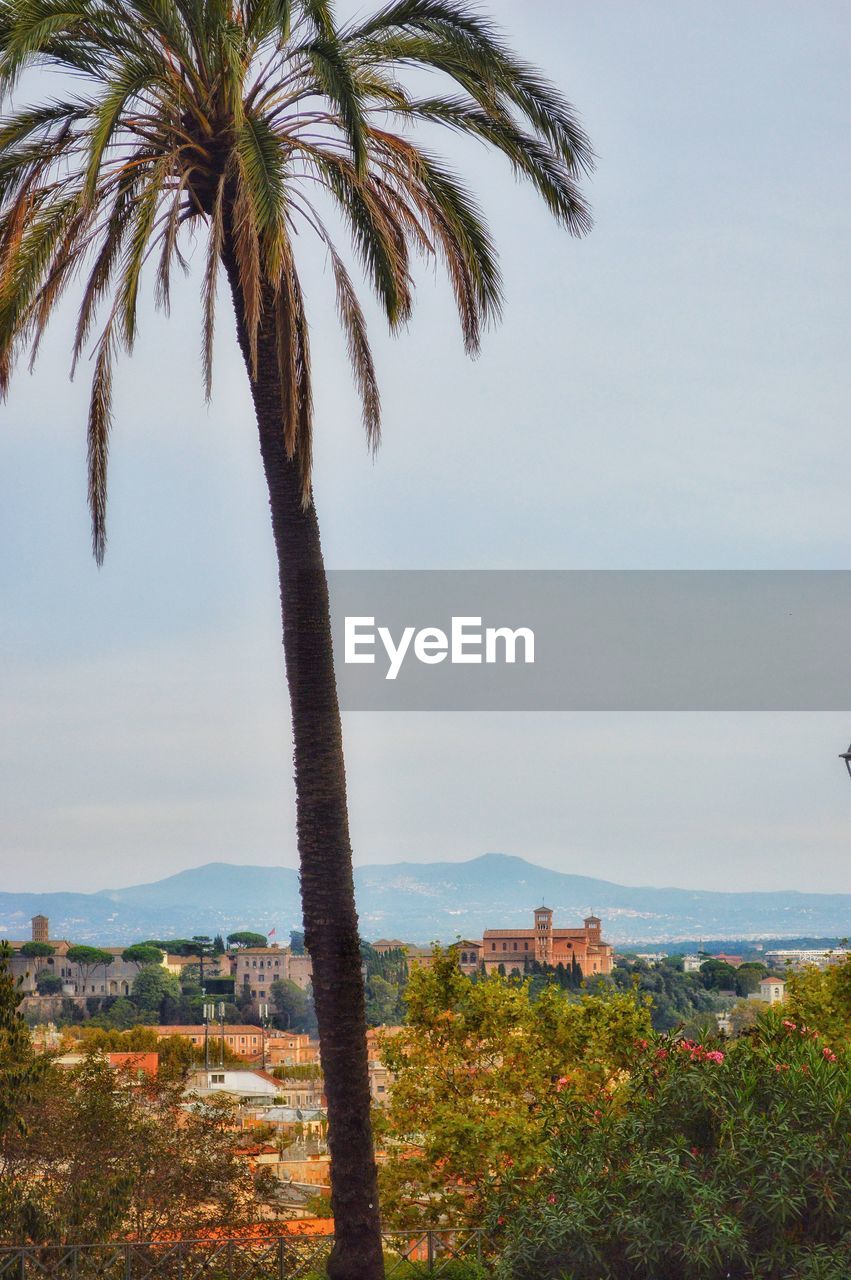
pixel 325 855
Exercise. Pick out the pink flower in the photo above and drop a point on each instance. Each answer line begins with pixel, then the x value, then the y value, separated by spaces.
pixel 829 1055
pixel 661 1053
pixel 790 1026
pixel 561 1083
pixel 715 1056
pixel 551 1199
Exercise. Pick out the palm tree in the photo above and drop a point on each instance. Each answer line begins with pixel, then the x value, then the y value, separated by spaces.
pixel 246 122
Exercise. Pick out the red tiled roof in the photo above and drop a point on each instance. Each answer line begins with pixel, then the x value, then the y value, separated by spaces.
pixel 140 1061
pixel 261 1230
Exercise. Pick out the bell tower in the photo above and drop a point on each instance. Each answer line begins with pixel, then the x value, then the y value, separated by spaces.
pixel 544 935
pixel 592 928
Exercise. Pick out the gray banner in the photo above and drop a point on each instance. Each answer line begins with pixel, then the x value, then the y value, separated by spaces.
pixel 592 641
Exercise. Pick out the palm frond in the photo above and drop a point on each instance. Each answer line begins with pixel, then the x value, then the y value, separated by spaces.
pixel 98 284
pixel 215 243
pixel 246 243
pixel 304 391
pixel 263 170
pixel 529 157
pixel 142 220
pixel 100 424
pixel 378 239
pixel 360 354
pixel 335 81
pixel 226 118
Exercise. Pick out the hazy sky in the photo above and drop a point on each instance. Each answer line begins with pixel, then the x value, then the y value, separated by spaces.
pixel 672 392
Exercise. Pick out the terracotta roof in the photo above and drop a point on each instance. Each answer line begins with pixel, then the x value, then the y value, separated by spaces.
pixel 141 1061
pixel 260 1230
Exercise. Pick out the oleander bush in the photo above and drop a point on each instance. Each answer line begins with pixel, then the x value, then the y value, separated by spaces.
pixel 713 1163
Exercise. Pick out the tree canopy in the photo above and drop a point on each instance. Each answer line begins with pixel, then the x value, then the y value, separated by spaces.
pixel 476 1069
pixel 152 985
pixel 38 950
pixel 246 938
pixel 103 1160
pixel 89 958
pixel 20 1068
pixel 142 953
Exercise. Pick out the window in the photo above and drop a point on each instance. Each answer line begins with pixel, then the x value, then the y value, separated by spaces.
pixel 493 946
pixel 525 946
pixel 515 946
pixel 218 1078
pixel 505 946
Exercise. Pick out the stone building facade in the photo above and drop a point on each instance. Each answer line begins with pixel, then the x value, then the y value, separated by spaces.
pixel 256 968
pixel 517 949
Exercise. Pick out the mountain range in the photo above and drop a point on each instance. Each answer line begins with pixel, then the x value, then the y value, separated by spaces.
pixel 421 902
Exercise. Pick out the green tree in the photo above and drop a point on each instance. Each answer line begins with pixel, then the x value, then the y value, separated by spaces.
pixel 293 1009
pixel 152 986
pixel 383 1002
pixel 245 938
pixel 718 975
pixel 821 998
pixel 176 1053
pixel 218 945
pixel 21 1076
pixel 142 953
pixel 171 946
pixel 476 1069
pixel 120 1013
pixel 237 123
pixel 748 977
pixel 47 983
pixel 20 1068
pixel 89 959
pixel 103 1160
pixel 297 942
pixel 38 951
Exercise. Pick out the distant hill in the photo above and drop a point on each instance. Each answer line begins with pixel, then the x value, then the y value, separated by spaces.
pixel 421 902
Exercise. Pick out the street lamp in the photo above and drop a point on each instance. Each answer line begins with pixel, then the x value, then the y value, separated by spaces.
pixel 846 756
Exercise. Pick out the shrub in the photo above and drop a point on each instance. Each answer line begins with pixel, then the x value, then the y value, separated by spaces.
pixel 711 1165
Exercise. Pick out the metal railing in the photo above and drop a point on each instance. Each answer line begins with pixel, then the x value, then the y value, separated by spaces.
pixel 290 1257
